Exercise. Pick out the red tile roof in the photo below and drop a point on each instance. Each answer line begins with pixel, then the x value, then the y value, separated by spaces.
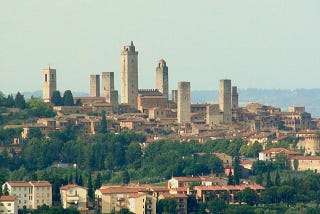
pixel 41 183
pixel 19 184
pixel 121 189
pixel 277 150
pixel 186 179
pixel 168 195
pixel 7 198
pixel 70 186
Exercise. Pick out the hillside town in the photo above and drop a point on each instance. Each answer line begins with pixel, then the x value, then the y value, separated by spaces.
pixel 219 155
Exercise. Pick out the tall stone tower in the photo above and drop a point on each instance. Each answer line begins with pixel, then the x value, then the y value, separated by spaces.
pixel 225 100
pixel 184 104
pixel 107 85
pixel 49 83
pixel 234 97
pixel 129 75
pixel 174 95
pixel 94 85
pixel 162 78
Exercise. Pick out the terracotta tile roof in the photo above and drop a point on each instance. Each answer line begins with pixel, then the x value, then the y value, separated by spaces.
pixel 136 195
pixel 40 183
pixel 168 195
pixel 121 189
pixel 186 179
pixel 229 187
pixel 70 186
pixel 7 198
pixel 160 189
pixel 19 184
pixel 305 157
pixel 277 150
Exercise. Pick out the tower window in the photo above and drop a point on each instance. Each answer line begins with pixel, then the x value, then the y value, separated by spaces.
pixel 52 76
pixel 132 61
pixel 46 77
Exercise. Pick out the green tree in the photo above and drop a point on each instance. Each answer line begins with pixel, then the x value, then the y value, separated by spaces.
pixel 134 154
pixel 216 205
pixel 80 180
pixel 68 98
pixel 295 164
pixel 268 180
pixel 56 98
pixel 103 128
pixel 39 108
pixel 192 203
pixel 9 102
pixel 20 101
pixel 237 171
pixel 167 205
pixel 230 178
pixel 259 178
pixel 90 187
pixel 125 177
pixel 98 181
pixel 5 190
pixel 249 196
pixel 280 161
pixel 277 181
pixel 34 133
pixel 78 102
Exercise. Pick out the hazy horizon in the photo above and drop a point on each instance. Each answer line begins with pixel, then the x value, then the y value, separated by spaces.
pixel 257 44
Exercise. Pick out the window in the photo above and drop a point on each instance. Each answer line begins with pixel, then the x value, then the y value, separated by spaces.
pixel 9 204
pixel 46 77
pixel 1 204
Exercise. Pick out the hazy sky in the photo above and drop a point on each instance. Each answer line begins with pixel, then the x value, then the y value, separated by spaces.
pixel 257 44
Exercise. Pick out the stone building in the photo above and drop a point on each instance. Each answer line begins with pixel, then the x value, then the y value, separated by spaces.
pixel 225 100
pixel 49 83
pixel 94 85
pixel 150 98
pixel 174 96
pixel 162 83
pixel 184 103
pixel 108 91
pixel 129 75
pixel 213 115
pixel 234 98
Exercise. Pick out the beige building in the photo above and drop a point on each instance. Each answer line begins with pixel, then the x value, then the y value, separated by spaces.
pixel 184 103
pixel 115 198
pixel 73 195
pixel 181 199
pixel 304 163
pixel 150 98
pixel 49 83
pixel 129 75
pixel 234 98
pixel 309 140
pixel 225 100
pixel 31 194
pixel 176 182
pixel 142 203
pixel 174 94
pixel 162 82
pixel 8 205
pixel 94 85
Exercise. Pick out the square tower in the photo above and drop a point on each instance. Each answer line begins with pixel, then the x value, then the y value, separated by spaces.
pixel 94 85
pixel 235 98
pixel 225 100
pixel 162 78
pixel 129 75
pixel 184 103
pixel 107 83
pixel 49 83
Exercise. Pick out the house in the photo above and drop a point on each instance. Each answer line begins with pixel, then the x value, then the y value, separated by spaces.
pixel 176 182
pixel 302 163
pixel 30 194
pixel 8 204
pixel 270 154
pixel 73 195
pixel 114 198
pixel 142 203
pixel 181 200
pixel 206 193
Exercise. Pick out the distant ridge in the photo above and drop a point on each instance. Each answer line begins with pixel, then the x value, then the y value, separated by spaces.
pixel 283 98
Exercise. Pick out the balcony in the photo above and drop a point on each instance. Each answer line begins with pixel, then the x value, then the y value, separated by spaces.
pixel 72 199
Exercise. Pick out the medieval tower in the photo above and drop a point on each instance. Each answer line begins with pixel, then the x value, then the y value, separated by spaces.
pixel 49 83
pixel 107 84
pixel 225 100
pixel 234 97
pixel 129 75
pixel 94 85
pixel 184 103
pixel 162 78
